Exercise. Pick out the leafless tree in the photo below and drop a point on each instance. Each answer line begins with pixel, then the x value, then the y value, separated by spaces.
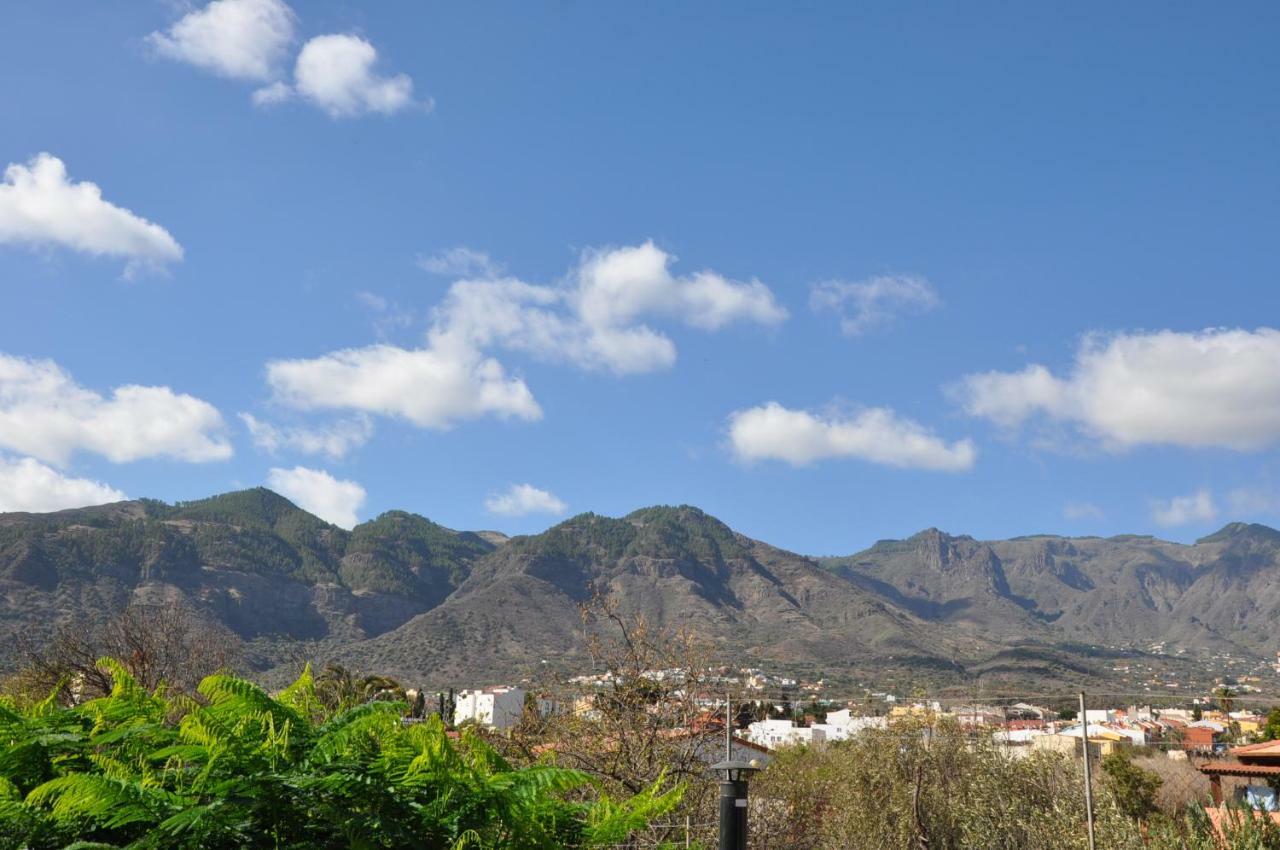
pixel 169 644
pixel 642 721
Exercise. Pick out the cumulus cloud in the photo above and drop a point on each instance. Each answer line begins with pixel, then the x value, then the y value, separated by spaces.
pixel 333 440
pixel 618 285
pixel 46 414
pixel 593 320
pixel 332 499
pixel 28 485
pixel 867 304
pixel 250 39
pixel 337 74
pixel 1081 510
pixel 1215 388
pixel 1182 510
pixel 431 387
pixel 877 435
pixel 40 206
pixel 461 261
pixel 239 39
pixel 524 499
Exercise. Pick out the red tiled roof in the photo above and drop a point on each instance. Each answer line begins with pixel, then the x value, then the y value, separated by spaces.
pixel 1231 768
pixel 1267 749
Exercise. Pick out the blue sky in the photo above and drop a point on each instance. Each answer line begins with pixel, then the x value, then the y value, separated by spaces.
pixel 1080 204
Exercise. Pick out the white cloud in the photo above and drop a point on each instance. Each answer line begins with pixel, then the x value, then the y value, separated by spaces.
pixel 240 39
pixel 1081 511
pixel 28 485
pixel 336 73
pixel 592 321
pixel 332 499
pixel 277 92
pixel 333 440
pixel 46 414
pixel 1218 388
pixel 1181 510
pixel 878 435
pixel 432 387
pixel 867 304
pixel 461 261
pixel 616 286
pixel 524 499
pixel 1251 501
pixel 40 206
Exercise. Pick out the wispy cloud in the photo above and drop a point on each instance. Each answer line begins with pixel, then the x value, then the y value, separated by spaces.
pixel 461 261
pixel 1077 511
pixel 334 439
pixel 876 302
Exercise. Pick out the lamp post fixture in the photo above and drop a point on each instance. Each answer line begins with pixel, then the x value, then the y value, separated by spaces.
pixel 733 802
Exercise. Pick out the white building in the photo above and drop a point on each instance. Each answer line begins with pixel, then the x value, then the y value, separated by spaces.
pixel 497 708
pixel 843 724
pixel 783 733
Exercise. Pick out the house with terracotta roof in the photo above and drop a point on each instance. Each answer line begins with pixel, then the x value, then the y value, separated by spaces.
pixel 1253 779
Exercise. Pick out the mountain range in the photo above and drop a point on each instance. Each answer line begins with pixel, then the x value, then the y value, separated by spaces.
pixel 404 596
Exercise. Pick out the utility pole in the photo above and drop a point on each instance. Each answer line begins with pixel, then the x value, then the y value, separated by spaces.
pixel 1088 774
pixel 728 727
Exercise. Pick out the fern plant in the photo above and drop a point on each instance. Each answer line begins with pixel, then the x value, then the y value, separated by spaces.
pixel 237 767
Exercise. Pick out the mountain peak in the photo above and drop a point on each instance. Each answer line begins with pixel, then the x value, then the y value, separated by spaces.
pixel 255 506
pixel 1250 531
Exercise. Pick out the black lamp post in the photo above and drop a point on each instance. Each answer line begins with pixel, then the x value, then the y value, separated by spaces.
pixel 733 802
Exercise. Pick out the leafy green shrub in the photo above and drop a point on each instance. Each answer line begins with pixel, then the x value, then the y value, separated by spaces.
pixel 1133 788
pixel 237 768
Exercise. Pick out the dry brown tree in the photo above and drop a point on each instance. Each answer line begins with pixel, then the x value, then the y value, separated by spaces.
pixel 170 644
pixel 644 717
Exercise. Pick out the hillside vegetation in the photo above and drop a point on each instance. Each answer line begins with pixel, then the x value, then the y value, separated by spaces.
pixel 405 596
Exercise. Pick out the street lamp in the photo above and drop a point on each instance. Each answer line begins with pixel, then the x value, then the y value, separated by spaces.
pixel 733 802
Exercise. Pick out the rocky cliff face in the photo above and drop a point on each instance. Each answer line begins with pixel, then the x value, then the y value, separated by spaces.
pixel 1222 593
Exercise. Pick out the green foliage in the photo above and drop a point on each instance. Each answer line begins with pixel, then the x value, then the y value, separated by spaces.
pixel 409 555
pixel 683 534
pixel 1271 730
pixel 238 768
pixel 921 784
pixel 1133 787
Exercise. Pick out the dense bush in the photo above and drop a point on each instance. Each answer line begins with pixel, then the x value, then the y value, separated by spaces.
pixel 931 785
pixel 236 768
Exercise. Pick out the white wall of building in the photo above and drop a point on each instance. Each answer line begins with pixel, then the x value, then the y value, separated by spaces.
pixel 497 708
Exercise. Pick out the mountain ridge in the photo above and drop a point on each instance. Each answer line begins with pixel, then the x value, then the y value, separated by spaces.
pixel 407 596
